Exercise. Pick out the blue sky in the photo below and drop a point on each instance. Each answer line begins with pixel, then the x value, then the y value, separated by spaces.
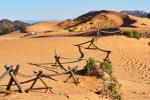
pixel 64 9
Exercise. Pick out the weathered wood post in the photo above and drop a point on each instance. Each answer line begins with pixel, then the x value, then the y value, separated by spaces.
pixel 59 63
pixel 6 72
pixel 39 78
pixel 16 82
pixel 11 80
pixel 40 73
pixel 72 74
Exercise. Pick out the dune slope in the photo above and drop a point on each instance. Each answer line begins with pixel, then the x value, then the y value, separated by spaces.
pixel 130 59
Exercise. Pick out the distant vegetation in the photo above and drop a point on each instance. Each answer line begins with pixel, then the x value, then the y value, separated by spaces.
pixel 133 34
pixel 71 30
pixel 5 31
pixel 48 31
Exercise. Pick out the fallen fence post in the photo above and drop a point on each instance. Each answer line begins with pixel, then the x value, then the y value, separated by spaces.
pixel 48 88
pixel 11 80
pixel 12 73
pixel 36 79
pixel 40 78
pixel 16 82
pixel 6 72
pixel 72 74
pixel 70 71
pixel 59 63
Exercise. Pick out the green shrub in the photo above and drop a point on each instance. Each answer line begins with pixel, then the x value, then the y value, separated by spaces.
pixel 137 35
pixel 71 30
pixel 5 31
pixel 106 66
pixel 110 85
pixel 91 63
pixel 113 89
pixel 133 34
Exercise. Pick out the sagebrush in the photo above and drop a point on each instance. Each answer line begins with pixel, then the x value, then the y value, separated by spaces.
pixel 133 34
pixel 106 66
pixel 90 64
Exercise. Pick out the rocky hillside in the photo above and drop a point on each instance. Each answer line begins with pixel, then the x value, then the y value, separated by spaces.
pixel 7 26
pixel 148 16
pixel 94 19
pixel 137 13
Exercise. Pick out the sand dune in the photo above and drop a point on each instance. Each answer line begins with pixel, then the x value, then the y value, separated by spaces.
pixel 91 21
pixel 101 19
pixel 130 58
pixel 43 27
pixel 140 22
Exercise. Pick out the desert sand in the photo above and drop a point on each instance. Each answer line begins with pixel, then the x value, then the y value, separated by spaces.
pixel 44 26
pixel 130 59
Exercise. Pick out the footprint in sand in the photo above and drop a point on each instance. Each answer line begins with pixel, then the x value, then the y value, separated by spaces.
pixel 136 69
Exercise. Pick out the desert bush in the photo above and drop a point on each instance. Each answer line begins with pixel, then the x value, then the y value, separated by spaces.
pixel 106 66
pixel 110 85
pixel 113 89
pixel 90 64
pixel 71 30
pixel 133 34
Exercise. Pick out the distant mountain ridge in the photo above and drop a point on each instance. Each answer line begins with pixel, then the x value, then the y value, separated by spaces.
pixel 7 26
pixel 38 20
pixel 137 13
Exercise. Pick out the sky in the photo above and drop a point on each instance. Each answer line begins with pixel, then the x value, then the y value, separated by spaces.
pixel 63 9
